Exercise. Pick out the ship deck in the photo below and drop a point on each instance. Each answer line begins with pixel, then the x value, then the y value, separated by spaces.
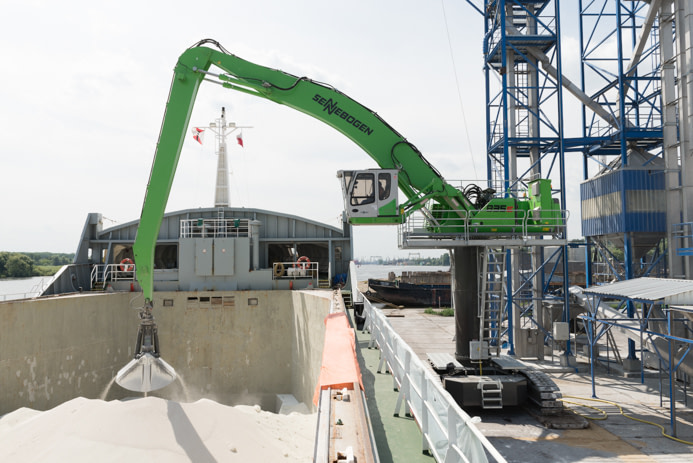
pixel 516 433
pixel 398 438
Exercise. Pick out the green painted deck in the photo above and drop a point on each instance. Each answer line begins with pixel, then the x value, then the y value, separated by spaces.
pixel 398 438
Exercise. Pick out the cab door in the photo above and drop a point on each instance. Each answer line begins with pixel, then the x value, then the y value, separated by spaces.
pixel 370 193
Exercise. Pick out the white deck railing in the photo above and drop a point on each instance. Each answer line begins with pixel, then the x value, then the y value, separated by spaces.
pixel 215 228
pixel 101 273
pixel 294 270
pixel 449 433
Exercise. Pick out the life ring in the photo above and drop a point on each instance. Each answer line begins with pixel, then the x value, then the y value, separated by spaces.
pixel 127 265
pixel 278 269
pixel 302 262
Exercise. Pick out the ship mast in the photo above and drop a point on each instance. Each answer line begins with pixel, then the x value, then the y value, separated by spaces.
pixel 221 192
pixel 222 129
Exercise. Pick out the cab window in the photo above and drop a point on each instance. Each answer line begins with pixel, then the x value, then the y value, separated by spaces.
pixel 384 185
pixel 363 191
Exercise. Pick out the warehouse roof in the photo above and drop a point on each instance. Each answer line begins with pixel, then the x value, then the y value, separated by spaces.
pixel 650 290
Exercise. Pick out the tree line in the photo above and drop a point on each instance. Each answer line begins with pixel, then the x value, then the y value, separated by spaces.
pixel 30 264
pixel 443 260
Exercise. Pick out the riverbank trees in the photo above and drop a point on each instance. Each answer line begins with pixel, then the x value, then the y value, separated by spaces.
pixel 29 264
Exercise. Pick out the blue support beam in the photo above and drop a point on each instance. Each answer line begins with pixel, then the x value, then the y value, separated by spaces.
pixel 524 113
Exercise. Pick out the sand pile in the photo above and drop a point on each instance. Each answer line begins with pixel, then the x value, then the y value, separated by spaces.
pixel 154 429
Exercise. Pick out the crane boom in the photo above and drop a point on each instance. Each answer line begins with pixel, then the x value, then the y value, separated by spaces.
pixel 417 178
pixel 402 167
pixel 399 159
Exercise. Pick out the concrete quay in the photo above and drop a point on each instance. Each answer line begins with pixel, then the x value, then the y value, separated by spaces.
pixel 520 435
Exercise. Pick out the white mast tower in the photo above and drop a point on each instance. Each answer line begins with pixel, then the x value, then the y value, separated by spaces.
pixel 221 129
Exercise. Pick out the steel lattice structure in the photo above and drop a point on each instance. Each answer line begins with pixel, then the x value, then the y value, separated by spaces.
pixel 525 140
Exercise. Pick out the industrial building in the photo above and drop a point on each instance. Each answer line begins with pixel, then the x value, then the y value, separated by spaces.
pixel 633 143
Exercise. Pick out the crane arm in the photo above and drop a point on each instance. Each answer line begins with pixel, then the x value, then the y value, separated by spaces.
pixel 385 145
pixel 418 179
pixel 451 211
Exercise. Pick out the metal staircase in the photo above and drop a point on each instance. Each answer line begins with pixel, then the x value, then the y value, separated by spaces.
pixel 491 294
pixel 491 393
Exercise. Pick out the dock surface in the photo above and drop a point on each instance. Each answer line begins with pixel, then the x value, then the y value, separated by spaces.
pixel 519 435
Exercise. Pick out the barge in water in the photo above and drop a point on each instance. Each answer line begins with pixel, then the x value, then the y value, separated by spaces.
pixel 412 289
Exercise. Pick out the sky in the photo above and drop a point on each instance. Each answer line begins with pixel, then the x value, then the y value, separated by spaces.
pixel 85 84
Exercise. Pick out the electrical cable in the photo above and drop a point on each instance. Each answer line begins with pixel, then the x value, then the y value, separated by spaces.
pixel 622 413
pixel 459 92
pixel 599 410
pixel 402 141
pixel 333 89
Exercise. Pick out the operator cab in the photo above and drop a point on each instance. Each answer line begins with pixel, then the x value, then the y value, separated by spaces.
pixel 370 196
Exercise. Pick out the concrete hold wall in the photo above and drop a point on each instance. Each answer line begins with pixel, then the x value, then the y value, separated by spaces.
pixel 229 346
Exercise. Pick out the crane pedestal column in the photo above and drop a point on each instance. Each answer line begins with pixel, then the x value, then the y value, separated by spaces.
pixel 496 382
pixel 464 270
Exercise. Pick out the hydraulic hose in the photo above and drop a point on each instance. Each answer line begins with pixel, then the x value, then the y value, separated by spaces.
pixel 604 415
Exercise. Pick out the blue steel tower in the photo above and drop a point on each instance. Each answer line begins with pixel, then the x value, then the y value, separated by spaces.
pixel 525 140
pixel 632 200
pixel 624 212
pixel 635 139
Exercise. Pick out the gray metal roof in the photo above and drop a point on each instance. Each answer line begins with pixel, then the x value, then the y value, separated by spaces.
pixel 682 308
pixel 660 290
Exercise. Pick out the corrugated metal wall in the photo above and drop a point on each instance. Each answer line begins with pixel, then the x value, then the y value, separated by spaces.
pixel 639 191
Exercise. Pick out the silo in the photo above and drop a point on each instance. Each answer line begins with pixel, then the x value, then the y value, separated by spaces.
pixel 626 201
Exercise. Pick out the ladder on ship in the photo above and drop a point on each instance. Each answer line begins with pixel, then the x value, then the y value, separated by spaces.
pixel 491 393
pixel 491 298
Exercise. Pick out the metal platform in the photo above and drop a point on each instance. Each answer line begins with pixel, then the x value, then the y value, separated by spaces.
pixel 505 362
pixel 416 233
pixel 413 240
pixel 443 362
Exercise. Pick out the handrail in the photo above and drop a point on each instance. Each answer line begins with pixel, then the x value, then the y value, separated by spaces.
pixel 293 270
pixel 215 228
pixel 101 273
pixel 466 227
pixel 683 238
pixel 17 296
pixel 448 432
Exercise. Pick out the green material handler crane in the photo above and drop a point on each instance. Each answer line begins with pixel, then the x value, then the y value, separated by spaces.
pixel 370 196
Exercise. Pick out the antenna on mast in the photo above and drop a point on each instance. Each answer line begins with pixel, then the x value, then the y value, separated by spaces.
pixel 222 129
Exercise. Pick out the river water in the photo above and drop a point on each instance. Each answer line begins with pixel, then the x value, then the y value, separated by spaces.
pixel 21 288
